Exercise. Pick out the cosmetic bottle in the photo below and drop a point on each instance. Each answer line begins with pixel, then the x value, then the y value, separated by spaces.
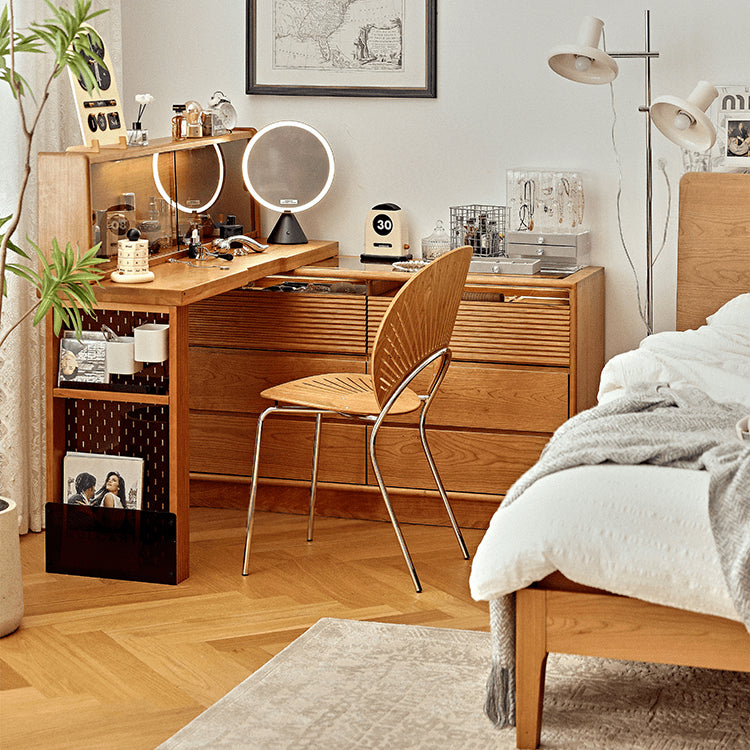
pixel 178 122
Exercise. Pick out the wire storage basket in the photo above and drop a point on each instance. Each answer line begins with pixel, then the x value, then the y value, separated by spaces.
pixel 480 226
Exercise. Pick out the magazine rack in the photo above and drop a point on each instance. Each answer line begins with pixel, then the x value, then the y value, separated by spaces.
pixel 144 414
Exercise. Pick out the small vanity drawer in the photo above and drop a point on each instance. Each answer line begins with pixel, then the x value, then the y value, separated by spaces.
pixel 525 330
pixel 281 321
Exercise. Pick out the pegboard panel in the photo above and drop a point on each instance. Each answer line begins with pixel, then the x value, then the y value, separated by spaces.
pixel 153 378
pixel 124 429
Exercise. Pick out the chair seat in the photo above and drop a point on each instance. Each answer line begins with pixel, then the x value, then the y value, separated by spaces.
pixel 344 392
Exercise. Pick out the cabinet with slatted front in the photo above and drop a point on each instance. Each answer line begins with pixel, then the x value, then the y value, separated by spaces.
pixel 527 353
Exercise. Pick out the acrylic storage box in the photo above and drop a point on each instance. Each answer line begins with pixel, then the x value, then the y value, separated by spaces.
pixel 541 200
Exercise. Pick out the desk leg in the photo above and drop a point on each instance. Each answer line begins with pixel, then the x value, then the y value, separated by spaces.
pixel 179 414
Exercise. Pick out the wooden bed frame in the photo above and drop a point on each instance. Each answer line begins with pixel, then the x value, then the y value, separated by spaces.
pixel 557 615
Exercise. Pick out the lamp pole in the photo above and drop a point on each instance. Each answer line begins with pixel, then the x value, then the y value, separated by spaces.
pixel 647 56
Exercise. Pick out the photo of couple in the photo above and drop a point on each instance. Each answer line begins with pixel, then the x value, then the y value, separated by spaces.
pixel 102 481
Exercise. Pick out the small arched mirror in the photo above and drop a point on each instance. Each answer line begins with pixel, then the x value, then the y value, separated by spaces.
pixel 288 167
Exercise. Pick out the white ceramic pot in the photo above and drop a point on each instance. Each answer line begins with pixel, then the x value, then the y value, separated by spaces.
pixel 11 582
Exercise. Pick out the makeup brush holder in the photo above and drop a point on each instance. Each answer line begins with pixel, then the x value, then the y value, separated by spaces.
pixel 121 356
pixel 151 342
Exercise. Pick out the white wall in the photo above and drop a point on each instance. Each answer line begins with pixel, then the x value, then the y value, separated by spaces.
pixel 498 106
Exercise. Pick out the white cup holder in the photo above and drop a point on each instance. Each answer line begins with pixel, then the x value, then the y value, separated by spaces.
pixel 121 356
pixel 151 342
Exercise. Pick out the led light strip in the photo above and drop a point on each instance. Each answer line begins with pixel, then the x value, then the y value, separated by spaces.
pixel 176 204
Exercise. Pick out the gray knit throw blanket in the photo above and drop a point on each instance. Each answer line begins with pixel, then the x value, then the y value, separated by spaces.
pixel 652 424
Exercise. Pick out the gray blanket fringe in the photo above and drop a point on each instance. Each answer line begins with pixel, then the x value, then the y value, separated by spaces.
pixel 500 700
pixel 653 424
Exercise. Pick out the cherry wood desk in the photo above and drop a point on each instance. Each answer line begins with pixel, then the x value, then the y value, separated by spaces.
pixel 144 414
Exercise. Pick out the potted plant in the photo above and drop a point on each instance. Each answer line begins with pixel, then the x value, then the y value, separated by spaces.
pixel 65 276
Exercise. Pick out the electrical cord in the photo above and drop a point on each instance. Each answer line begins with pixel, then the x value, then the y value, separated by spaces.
pixel 662 166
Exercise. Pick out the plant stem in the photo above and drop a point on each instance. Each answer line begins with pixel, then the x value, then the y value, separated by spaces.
pixel 31 310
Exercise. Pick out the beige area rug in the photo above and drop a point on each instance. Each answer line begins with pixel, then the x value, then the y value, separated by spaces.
pixel 345 684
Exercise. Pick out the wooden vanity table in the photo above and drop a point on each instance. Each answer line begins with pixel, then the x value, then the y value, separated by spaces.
pixel 527 354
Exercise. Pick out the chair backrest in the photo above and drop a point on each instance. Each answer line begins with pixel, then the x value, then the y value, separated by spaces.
pixel 419 321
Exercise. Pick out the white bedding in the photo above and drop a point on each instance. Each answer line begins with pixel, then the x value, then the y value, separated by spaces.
pixel 641 531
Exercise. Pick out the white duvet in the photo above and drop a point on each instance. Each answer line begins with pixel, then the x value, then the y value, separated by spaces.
pixel 641 531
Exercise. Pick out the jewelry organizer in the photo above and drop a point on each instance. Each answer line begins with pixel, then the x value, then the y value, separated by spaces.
pixel 480 226
pixel 544 200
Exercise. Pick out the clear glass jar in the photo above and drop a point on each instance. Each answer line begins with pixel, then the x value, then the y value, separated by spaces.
pixel 437 243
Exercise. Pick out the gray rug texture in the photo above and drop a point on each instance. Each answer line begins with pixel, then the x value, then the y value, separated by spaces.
pixel 345 684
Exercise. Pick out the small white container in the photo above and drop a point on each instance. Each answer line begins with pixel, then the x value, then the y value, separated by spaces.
pixel 151 342
pixel 121 356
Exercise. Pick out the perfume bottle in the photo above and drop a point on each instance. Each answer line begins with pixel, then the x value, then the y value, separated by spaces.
pixel 178 122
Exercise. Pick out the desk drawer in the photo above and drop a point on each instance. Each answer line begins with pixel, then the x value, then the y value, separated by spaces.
pixel 482 462
pixel 224 444
pixel 518 332
pixel 497 397
pixel 231 380
pixel 281 322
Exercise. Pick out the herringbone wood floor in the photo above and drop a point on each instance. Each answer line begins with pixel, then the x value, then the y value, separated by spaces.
pixel 115 664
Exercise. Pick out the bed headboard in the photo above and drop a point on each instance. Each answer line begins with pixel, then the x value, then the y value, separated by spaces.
pixel 713 263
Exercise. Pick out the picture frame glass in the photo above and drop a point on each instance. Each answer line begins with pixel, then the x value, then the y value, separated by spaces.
pixel 363 48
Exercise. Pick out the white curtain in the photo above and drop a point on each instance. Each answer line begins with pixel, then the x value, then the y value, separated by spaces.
pixel 22 408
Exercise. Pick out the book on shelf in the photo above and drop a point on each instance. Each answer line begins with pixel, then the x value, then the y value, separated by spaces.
pixel 82 360
pixel 102 480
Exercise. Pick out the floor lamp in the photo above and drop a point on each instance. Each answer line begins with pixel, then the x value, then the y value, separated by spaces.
pixel 682 121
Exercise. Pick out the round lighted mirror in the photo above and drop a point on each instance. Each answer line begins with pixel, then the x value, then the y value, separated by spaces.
pixel 288 167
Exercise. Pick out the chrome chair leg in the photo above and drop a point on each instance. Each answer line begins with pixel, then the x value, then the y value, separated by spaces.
pixel 439 483
pixel 254 489
pixel 391 514
pixel 314 481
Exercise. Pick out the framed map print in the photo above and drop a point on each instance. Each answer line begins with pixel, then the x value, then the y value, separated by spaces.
pixel 342 47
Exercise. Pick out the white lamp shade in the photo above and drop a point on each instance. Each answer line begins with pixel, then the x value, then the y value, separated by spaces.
pixel 583 61
pixel 684 121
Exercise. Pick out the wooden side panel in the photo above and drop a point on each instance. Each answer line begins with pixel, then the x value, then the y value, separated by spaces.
pixel 224 443
pixel 507 332
pixel 281 321
pixel 179 478
pixel 713 263
pixel 231 380
pixel 587 341
pixel 482 462
pixel 63 195
pixel 618 627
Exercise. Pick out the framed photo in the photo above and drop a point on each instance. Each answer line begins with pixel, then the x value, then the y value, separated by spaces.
pixel 84 360
pixel 732 149
pixel 103 481
pixel 363 48
pixel 737 139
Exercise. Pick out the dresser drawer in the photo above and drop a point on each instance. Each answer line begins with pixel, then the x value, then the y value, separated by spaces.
pixel 231 380
pixel 224 444
pixel 522 332
pixel 482 462
pixel 496 397
pixel 281 321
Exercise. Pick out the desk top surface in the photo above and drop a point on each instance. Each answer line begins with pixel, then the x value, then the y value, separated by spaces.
pixel 180 284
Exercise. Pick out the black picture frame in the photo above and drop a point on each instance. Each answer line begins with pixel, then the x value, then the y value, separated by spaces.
pixel 417 60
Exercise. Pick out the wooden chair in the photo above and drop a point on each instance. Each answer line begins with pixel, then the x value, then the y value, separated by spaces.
pixel 414 333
